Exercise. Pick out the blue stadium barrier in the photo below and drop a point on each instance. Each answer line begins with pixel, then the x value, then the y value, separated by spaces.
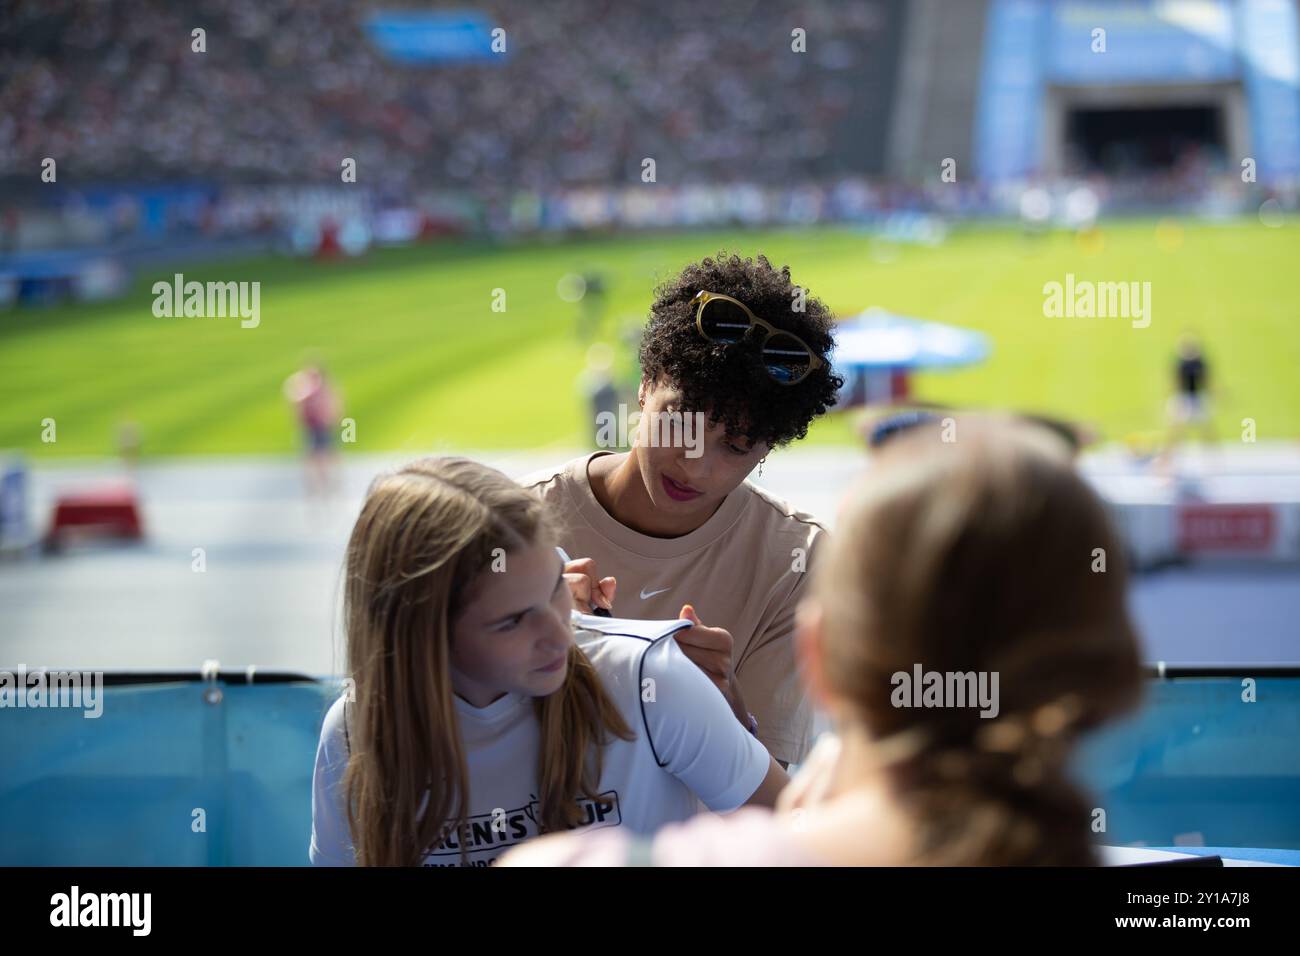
pixel 1199 764
pixel 122 789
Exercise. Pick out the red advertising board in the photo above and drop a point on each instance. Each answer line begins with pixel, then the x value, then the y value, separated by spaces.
pixel 1231 528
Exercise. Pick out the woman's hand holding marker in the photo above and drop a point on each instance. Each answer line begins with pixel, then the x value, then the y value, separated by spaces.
pixel 590 595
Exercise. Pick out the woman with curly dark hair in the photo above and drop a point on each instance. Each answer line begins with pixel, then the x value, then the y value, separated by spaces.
pixel 734 363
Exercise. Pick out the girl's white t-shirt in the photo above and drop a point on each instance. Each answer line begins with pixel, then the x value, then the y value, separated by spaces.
pixel 689 749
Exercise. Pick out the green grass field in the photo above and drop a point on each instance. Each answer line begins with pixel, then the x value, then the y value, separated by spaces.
pixel 424 363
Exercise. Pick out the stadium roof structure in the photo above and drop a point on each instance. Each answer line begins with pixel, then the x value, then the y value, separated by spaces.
pixel 877 339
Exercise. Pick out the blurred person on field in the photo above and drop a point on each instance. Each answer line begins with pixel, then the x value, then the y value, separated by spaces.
pixel 319 408
pixel 1189 407
pixel 596 382
pixel 129 441
pixel 591 314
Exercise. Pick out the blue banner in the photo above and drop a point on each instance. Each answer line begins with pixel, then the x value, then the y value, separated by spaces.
pixel 1007 118
pixel 1031 44
pixel 433 37
pixel 1162 41
pixel 1270 50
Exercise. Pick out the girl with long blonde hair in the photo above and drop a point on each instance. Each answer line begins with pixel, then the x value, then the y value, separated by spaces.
pixel 478 715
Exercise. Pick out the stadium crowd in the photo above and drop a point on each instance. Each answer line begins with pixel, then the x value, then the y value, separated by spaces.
pixel 586 90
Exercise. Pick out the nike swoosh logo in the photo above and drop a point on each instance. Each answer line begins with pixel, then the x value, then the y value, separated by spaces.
pixel 653 593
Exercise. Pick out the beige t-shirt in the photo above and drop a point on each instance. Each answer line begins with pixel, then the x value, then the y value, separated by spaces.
pixel 745 569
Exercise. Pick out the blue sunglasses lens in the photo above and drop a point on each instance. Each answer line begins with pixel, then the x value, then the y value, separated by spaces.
pixel 786 358
pixel 724 321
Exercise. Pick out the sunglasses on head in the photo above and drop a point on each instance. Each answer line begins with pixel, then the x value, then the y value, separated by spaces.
pixel 722 319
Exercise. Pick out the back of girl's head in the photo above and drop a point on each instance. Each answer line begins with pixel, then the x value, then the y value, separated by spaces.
pixel 978 551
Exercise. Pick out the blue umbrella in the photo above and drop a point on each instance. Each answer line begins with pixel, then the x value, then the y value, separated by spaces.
pixel 877 339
